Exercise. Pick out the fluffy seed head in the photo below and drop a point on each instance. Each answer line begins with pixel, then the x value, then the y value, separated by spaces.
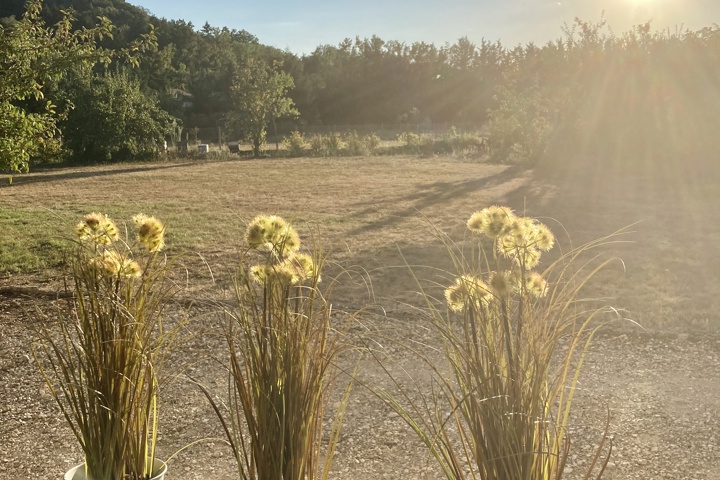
pixel 536 285
pixel 503 282
pixel 467 289
pixel 304 265
pixel 527 232
pixel 150 232
pixel 271 233
pixel 97 228
pixel 274 274
pixel 491 221
pixel 524 240
pixel 113 264
pixel 528 258
pixel 544 238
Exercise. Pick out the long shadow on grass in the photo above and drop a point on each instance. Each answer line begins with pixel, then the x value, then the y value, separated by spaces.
pixel 23 179
pixel 433 194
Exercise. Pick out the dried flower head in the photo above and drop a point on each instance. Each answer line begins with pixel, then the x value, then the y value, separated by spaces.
pixel 271 233
pixel 258 273
pixel 304 265
pixel 544 238
pixel 467 290
pixel 150 232
pixel 503 282
pixel 274 274
pixel 536 285
pixel 523 241
pixel 111 263
pixel 97 228
pixel 527 232
pixel 491 221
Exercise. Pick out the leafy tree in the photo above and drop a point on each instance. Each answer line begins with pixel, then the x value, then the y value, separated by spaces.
pixel 33 55
pixel 112 119
pixel 259 96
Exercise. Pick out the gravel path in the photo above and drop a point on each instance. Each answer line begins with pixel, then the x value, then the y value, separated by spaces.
pixel 663 394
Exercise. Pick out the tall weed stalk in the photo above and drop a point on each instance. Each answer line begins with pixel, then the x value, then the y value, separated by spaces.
pixel 102 367
pixel 505 387
pixel 281 351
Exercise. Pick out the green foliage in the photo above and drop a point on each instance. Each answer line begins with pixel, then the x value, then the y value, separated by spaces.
pixel 462 142
pixel 23 135
pixel 281 351
pixel 637 96
pixel 112 118
pixel 361 145
pixel 295 144
pixel 371 81
pixel 34 55
pixel 417 143
pixel 519 128
pixel 515 345
pixel 103 369
pixel 338 145
pixel 258 98
pixel 410 139
pixel 451 142
pixel 327 145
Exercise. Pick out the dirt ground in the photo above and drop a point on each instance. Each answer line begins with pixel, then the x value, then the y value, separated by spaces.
pixel 659 382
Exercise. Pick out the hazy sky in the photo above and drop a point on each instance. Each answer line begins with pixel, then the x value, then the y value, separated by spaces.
pixel 300 26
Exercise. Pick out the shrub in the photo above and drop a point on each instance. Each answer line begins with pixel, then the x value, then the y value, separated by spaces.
pixel 373 142
pixel 417 143
pixel 112 119
pixel 327 146
pixel 519 128
pixel 460 143
pixel 361 145
pixel 295 144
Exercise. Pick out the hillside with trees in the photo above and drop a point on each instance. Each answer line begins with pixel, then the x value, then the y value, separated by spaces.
pixel 641 93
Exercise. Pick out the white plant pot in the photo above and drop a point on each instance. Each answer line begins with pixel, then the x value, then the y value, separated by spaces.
pixel 78 472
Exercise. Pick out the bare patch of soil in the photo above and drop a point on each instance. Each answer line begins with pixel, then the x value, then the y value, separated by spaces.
pixel 375 215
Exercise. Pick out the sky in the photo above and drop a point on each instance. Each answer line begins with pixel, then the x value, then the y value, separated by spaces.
pixel 301 26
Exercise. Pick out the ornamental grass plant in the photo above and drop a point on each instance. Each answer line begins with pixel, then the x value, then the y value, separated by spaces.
pixel 103 360
pixel 281 351
pixel 503 392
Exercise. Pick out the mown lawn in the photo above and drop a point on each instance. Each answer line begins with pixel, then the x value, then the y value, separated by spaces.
pixel 365 211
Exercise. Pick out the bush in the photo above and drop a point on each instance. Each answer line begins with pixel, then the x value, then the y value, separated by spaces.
pixel 361 145
pixel 113 120
pixel 450 143
pixel 417 143
pixel 519 127
pixel 295 144
pixel 327 146
pixel 461 143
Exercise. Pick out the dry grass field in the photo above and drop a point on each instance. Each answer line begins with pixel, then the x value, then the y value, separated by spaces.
pixel 373 216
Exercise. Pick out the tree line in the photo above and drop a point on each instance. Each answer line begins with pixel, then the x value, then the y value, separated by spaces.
pixel 109 81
